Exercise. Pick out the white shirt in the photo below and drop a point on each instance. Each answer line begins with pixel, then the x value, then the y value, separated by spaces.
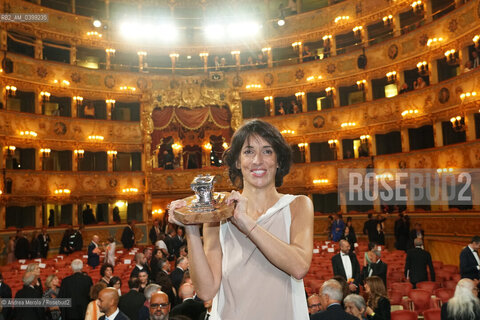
pixel 475 254
pixel 113 315
pixel 160 244
pixel 139 267
pixel 347 265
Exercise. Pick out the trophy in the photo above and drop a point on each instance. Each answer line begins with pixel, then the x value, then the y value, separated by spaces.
pixel 206 205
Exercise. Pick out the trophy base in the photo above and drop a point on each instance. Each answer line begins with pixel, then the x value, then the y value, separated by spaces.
pixel 196 214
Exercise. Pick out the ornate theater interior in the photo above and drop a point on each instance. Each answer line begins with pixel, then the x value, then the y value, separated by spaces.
pixel 118 105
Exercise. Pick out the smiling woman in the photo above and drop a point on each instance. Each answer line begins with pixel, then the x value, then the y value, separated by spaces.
pixel 252 265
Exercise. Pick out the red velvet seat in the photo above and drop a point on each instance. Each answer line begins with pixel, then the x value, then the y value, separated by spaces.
pixel 444 294
pixel 403 287
pixel 429 286
pixel 450 284
pixel 421 300
pixel 432 314
pixel 403 315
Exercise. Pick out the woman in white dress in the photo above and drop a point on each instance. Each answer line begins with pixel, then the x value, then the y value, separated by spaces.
pixel 252 265
pixel 110 252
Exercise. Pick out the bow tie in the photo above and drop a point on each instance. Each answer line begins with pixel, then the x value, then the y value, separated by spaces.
pixel 344 255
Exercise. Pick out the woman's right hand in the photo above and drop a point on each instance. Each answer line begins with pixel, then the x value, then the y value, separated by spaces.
pixel 177 204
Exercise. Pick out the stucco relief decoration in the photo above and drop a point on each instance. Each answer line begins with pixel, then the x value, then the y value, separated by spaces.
pixel 60 128
pixel 423 39
pixel 76 77
pixel 443 95
pixel 237 81
pixel 109 81
pixel 42 72
pixel 393 51
pixel 331 68
pixel 299 74
pixel 318 122
pixel 452 25
pixel 268 79
pixel 142 83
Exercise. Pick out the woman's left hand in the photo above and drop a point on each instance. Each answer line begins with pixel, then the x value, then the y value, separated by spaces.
pixel 369 311
pixel 240 218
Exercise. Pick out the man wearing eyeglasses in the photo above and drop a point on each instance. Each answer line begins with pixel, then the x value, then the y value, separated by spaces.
pixel 159 306
pixel 314 304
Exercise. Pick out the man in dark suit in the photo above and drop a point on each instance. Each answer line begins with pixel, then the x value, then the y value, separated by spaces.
pixel 470 261
pixel 44 243
pixel 417 262
pixel 29 291
pixel 189 307
pixel 331 296
pixel 77 239
pixel 345 264
pixel 370 228
pixel 108 304
pixel 77 287
pixel 375 267
pixel 178 241
pixel 159 306
pixel 169 240
pixel 132 301
pixel 155 232
pixel 140 264
pixel 417 232
pixel 177 274
pixel 93 253
pixel 5 293
pixel 22 247
pixel 128 236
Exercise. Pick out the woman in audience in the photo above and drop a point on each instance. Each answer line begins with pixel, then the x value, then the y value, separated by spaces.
pixel 11 250
pixel 53 288
pixel 116 282
pixel 154 262
pixel 106 271
pixel 93 313
pixel 350 237
pixel 274 230
pixel 344 284
pixel 465 304
pixel 110 252
pixel 35 269
pixel 378 305
pixel 355 305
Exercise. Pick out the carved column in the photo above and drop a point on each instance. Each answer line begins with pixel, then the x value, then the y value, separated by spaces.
pixel 236 110
pixel 73 55
pixel 410 200
pixel 428 11
pixel 475 188
pixel 38 101
pixel 397 29
pixel 368 91
pixel 300 52
pixel 38 160
pixel 405 140
pixel 343 202
pixel 339 150
pixel 3 39
pixel 146 125
pixel 299 6
pixel 268 52
pixel 432 66
pixel 107 60
pixel 470 126
pixel 107 9
pixel 377 205
pixel 438 134
pixel 72 3
pixel 73 106
pixel 75 214
pixel 336 97
pixel 74 162
pixel 304 103
pixel 307 154
pixel 38 217
pixel 110 212
pixel 3 216
pixel 372 145
pixel 38 49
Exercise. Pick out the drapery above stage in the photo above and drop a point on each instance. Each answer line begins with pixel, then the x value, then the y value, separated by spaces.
pixel 191 119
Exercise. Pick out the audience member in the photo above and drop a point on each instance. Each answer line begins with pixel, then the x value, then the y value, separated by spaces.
pixel 178 241
pixel 89 111
pixel 128 236
pixel 468 66
pixel 93 253
pixel 29 291
pixel 143 312
pixel 314 304
pixel 376 267
pixel 417 232
pixel 93 312
pixel 5 293
pixel 378 305
pixel 403 88
pixel 337 227
pixel 116 215
pixel 44 243
pixel 355 305
pixel 140 264
pixel 11 250
pixel 475 59
pixel 21 246
pixel 208 308
pixel 155 232
pixel 370 228
pixel 106 271
pixel 154 262
pixel 465 304
pixel 34 246
pixel 189 307
pixel 470 261
pixel 108 304
pixel 419 83
pixel 344 284
pixel 133 300
pixel 88 217
pixel 77 287
pixel 52 284
pixel 401 231
pixel 416 264
pixel 51 218
pixel 159 306
pixel 116 283
pixel 163 279
pixel 350 237
pixel 345 264
pixel 177 274
pixel 110 251
pixel 65 245
pixel 34 268
pixel 143 278
pixel 331 297
pixel 76 240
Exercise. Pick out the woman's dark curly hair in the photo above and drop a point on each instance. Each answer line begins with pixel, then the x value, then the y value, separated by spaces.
pixel 104 267
pixel 266 131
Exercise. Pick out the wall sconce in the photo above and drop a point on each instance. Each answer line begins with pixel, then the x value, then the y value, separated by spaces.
pixel 10 150
pixel 112 153
pixel 444 170
pixel 110 102
pixel 225 145
pixel 254 86
pixel 329 91
pixel 458 123
pixel 388 20
pixel 62 192
pixel 476 40
pixel 364 138
pixel 266 50
pixel 422 68
pixel 311 78
pixel 45 96
pixel 326 39
pixel 320 181
pixel 392 76
pixel 302 146
pixel 296 45
pixel 110 51
pixel 450 57
pixel 467 95
pixel 348 124
pixel 417 7
pixel 157 212
pixel 235 52
pixel 174 56
pixel 142 53
pixel 287 131
pixel 78 100
pixel 268 101
pixel 357 31
pixel 384 176
pixel 434 41
pixel 94 34
pixel 124 88
pixel 207 146
pixel 45 152
pixel 332 143
pixel 79 153
pixel 361 84
pixel 96 138
pixel 203 54
pixel 410 112
pixel 341 19
pixel 29 134
pixel 299 96
pixel 11 91
pixel 129 190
